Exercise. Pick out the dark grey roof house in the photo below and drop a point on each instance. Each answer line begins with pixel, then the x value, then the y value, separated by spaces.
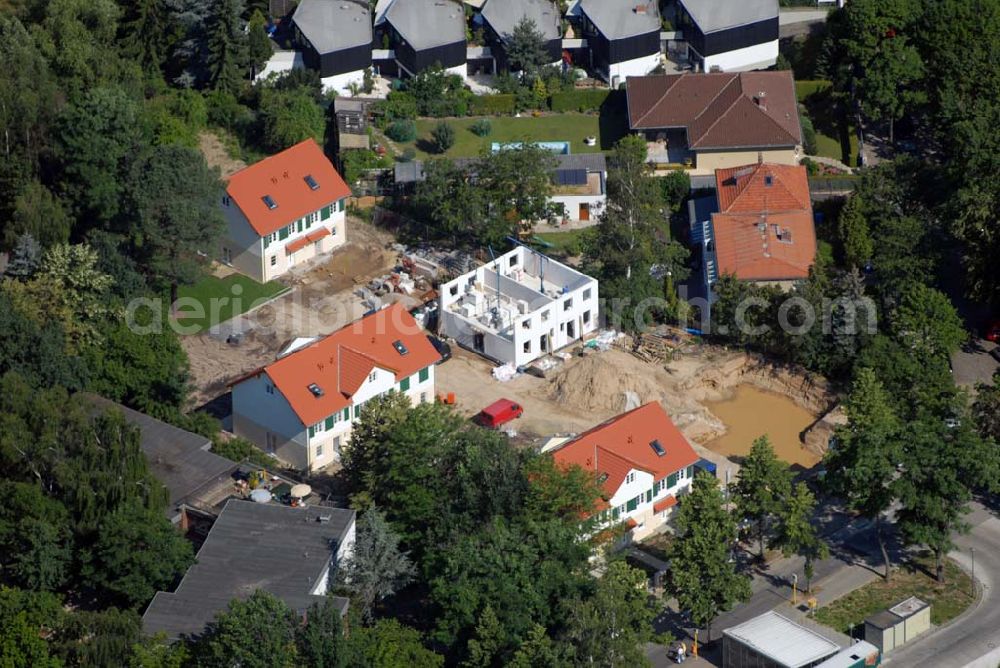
pixel 502 16
pixel 335 35
pixel 179 459
pixel 290 552
pixel 425 33
pixel 730 36
pixel 623 36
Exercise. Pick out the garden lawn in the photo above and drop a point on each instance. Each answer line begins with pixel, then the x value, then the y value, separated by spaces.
pixel 571 127
pixel 947 600
pixel 835 137
pixel 219 293
pixel 564 244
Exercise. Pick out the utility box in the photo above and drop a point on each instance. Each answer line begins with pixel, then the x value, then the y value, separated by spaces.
pixel 898 625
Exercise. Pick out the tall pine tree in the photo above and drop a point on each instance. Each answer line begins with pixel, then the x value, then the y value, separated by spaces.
pixel 227 46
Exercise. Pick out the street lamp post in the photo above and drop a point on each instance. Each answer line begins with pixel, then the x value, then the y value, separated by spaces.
pixel 972 551
pixel 795 583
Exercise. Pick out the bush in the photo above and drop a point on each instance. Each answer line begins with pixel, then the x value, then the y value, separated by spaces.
pixel 402 131
pixel 812 167
pixel 491 105
pixel 579 100
pixel 808 133
pixel 397 106
pixel 239 449
pixel 442 137
pixel 481 128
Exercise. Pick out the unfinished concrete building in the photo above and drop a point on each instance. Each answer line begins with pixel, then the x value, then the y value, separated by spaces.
pixel 521 306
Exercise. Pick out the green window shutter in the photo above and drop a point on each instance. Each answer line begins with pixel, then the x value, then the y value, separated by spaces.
pixel 671 480
pixel 690 472
pixel 326 212
pixel 347 414
pixel 329 422
pixel 267 240
pixel 424 374
pixel 632 504
pixel 283 234
pixel 404 384
pixel 357 411
pixel 312 431
pixel 298 225
pixel 614 513
pixel 649 496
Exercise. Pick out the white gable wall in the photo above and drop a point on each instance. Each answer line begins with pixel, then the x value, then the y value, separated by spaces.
pixel 267 419
pixel 241 244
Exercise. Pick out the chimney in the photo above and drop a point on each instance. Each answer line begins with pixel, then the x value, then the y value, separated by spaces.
pixel 640 9
pixel 761 100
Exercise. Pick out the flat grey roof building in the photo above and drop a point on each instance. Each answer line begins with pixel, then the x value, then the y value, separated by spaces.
pixel 619 19
pixel 779 639
pixel 504 15
pixel 289 552
pixel 413 171
pixel 426 24
pixel 334 25
pixel 179 459
pixel 715 15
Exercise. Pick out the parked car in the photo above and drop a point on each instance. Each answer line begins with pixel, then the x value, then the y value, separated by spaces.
pixel 443 349
pixel 499 413
pixel 993 332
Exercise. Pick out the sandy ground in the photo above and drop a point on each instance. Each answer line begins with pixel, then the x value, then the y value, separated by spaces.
pixel 216 155
pixel 323 298
pixel 588 390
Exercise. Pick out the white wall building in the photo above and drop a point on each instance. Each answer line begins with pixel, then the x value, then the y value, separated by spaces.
pixel 642 463
pixel 302 407
pixel 519 307
pixel 283 211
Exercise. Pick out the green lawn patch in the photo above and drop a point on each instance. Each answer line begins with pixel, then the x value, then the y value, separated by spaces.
pixel 571 127
pixel 804 89
pixel 947 600
pixel 563 244
pixel 217 300
pixel 836 136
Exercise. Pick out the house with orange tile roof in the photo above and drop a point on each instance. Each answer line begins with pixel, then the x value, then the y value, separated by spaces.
pixel 760 228
pixel 642 462
pixel 716 120
pixel 302 406
pixel 283 211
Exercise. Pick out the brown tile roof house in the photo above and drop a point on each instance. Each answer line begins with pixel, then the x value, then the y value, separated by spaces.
pixel 764 229
pixel 718 110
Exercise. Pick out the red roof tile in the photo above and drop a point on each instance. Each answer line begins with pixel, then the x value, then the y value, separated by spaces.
pixel 719 110
pixel 282 177
pixel 622 443
pixel 340 363
pixel 764 229
pixel 664 503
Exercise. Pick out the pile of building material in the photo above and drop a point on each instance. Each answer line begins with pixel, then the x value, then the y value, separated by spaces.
pixel 436 265
pixel 605 340
pixel 544 366
pixel 660 344
pixel 505 372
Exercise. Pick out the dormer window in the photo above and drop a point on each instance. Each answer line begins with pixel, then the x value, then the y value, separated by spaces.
pixel 657 447
pixel 316 390
pixel 311 182
pixel 269 202
pixel 400 348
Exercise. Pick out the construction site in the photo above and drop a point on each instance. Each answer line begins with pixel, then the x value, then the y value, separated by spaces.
pixel 612 373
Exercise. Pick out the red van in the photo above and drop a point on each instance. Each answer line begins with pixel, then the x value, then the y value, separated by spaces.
pixel 499 413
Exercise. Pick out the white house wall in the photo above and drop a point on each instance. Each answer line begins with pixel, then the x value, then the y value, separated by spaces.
pixel 618 72
pixel 241 241
pixel 571 204
pixel 264 417
pixel 324 447
pixel 756 57
pixel 283 261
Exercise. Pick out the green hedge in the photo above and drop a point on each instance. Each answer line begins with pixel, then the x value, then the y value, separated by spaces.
pixel 804 89
pixel 491 105
pixel 579 100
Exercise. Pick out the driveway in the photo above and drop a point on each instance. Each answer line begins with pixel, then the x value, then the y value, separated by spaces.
pixel 973 639
pixel 974 364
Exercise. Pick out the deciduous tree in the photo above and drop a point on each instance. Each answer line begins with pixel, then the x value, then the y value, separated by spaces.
pixel 703 574
pixel 861 466
pixel 762 486
pixel 256 633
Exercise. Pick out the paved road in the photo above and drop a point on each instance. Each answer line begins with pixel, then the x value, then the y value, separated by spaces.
pixel 974 638
pixel 791 16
